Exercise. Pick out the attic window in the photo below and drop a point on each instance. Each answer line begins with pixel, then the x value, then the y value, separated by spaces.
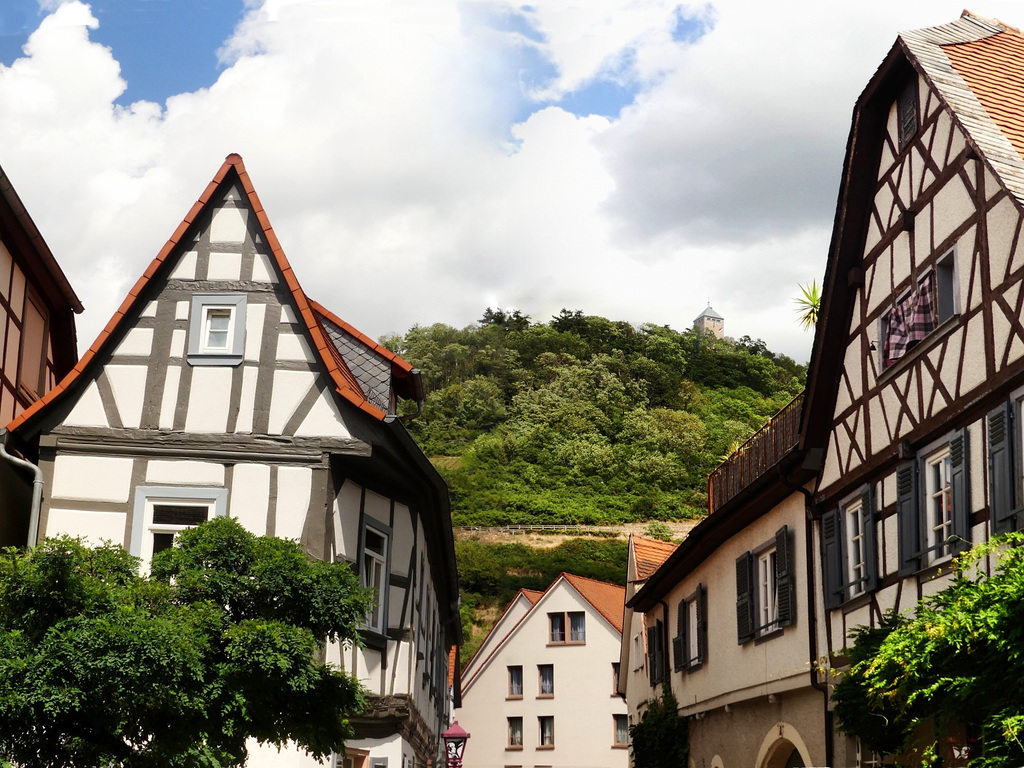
pixel 919 310
pixel 216 331
pixel 906 110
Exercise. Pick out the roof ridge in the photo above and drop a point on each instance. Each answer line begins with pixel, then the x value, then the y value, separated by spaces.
pixel 990 20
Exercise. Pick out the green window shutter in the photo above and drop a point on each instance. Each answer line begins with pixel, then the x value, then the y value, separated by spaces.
pixel 744 597
pixel 961 490
pixel 832 557
pixel 907 518
pixel 1000 468
pixel 784 577
pixel 867 526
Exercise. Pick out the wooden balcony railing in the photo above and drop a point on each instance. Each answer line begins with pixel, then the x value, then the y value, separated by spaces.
pixel 760 453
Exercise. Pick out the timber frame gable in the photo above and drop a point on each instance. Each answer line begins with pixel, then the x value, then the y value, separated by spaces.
pixel 944 206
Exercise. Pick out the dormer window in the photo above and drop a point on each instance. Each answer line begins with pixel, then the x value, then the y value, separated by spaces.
pixel 906 109
pixel 919 310
pixel 216 330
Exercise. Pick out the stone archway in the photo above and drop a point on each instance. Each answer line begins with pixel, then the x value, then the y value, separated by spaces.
pixel 783 747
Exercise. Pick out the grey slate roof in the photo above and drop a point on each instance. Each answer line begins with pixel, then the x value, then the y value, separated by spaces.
pixel 371 370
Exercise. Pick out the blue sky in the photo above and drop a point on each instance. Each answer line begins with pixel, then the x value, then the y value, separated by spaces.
pixel 165 47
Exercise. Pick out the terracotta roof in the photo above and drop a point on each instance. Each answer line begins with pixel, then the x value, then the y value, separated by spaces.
pixel 533 595
pixel 345 383
pixel 649 554
pixel 608 599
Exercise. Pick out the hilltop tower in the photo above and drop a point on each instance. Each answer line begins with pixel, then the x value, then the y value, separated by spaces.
pixel 709 320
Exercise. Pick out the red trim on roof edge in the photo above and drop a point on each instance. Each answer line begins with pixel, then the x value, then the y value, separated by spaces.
pixel 343 384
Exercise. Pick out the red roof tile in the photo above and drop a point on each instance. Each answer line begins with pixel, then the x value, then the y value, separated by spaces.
pixel 608 599
pixel 649 554
pixel 345 383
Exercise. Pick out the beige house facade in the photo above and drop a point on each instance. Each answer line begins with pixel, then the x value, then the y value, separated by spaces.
pixel 542 688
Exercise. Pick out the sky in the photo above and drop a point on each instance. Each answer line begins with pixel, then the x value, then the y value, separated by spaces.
pixel 422 160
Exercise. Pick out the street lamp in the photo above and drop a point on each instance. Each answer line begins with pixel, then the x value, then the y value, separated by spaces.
pixel 454 745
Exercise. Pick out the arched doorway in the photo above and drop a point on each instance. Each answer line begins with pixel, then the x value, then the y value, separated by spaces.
pixel 782 748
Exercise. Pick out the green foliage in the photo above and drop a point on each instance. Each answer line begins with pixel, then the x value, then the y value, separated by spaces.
pixel 662 738
pixel 808 304
pixel 658 530
pixel 958 663
pixel 99 666
pixel 586 420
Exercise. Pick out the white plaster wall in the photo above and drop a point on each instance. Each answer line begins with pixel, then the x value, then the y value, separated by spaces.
pixel 91 478
pixel 228 225
pixel 346 521
pixel 291 346
pixel 289 389
pixel 177 343
pixel 250 491
pixel 224 266
pixel 185 472
pixel 583 702
pixel 138 341
pixel 170 397
pixel 254 316
pixel 209 399
pixel 294 486
pixel 324 419
pixel 378 507
pixel 186 268
pixel 262 271
pixel 128 383
pixel 247 400
pixel 88 411
pixel 94 527
pixel 403 540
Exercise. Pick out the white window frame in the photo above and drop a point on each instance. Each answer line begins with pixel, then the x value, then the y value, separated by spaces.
pixel 146 496
pixel 200 352
pixel 377 619
pixel 854 546
pixel 766 587
pixel 938 500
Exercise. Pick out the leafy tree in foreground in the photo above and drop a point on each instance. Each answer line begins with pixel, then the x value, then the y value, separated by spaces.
pixel 662 738
pixel 99 666
pixel 957 664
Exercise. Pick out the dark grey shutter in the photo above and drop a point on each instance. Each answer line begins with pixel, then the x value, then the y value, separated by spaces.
pixel 744 597
pixel 702 624
pixel 907 518
pixel 867 527
pixel 652 655
pixel 661 629
pixel 784 577
pixel 1000 468
pixel 679 640
pixel 831 556
pixel 960 458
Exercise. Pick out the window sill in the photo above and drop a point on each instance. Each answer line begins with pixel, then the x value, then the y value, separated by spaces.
pixel 620 746
pixel 768 636
pixel 514 698
pixel 566 642
pixel 545 747
pixel 200 358
pixel 545 695
pixel 942 330
pixel 514 748
pixel 373 639
pixel 853 603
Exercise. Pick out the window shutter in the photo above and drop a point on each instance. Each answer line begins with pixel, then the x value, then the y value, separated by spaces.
pixel 867 527
pixel 1000 468
pixel 679 639
pixel 702 624
pixel 744 597
pixel 961 491
pixel 831 555
pixel 660 656
pixel 907 517
pixel 652 655
pixel 784 577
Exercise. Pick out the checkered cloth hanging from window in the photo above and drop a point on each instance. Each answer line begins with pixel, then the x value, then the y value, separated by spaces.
pixel 910 320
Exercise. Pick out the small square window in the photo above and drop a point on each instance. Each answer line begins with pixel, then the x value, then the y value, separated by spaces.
pixel 216 334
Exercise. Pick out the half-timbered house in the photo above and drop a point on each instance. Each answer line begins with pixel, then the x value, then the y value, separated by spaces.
pixel 220 388
pixel 918 362
pixel 37 337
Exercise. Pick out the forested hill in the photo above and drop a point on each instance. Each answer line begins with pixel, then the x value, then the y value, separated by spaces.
pixel 583 419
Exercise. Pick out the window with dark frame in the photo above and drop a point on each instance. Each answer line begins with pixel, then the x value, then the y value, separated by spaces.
pixel 689 646
pixel 906 109
pixel 849 553
pixel 621 730
pixel 546 680
pixel 576 621
pixel 374 572
pixel 764 589
pixel 515 733
pixel 546 729
pixel 515 682
pixel 933 504
pixel 556 623
pixel 919 310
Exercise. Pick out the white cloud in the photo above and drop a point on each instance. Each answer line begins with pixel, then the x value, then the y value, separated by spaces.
pixel 378 136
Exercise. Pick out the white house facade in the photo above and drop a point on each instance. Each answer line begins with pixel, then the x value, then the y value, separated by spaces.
pixel 542 689
pixel 220 388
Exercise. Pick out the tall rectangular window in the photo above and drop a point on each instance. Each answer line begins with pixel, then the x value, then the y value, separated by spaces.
pixel 515 733
pixel 621 730
pixel 939 503
pixel 33 349
pixel 767 592
pixel 556 624
pixel 217 325
pixel 374 571
pixel 546 675
pixel 515 682
pixel 577 627
pixel 546 727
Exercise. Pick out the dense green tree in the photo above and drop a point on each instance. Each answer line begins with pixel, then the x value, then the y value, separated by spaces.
pixel 662 738
pixel 102 666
